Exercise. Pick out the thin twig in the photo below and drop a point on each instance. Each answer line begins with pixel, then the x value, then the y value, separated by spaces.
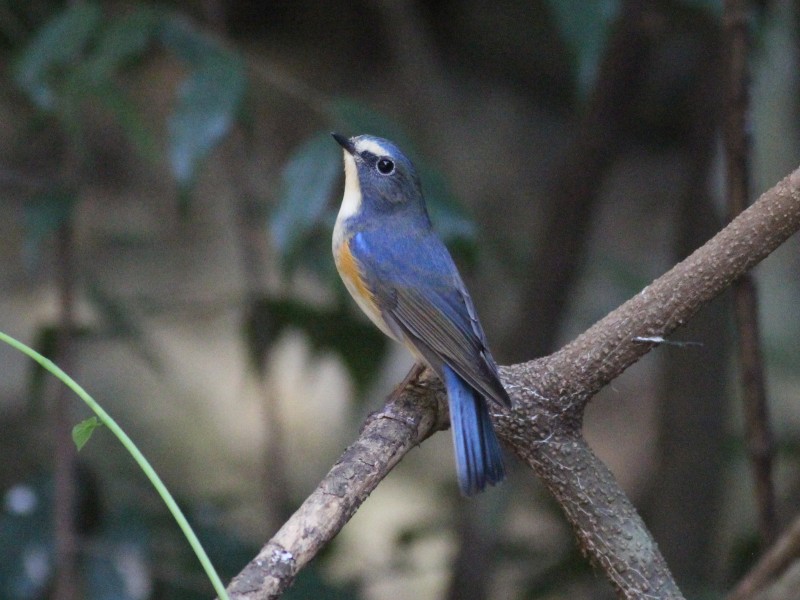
pixel 775 560
pixel 745 296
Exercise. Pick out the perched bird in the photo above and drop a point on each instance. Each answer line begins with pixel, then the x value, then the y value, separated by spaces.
pixel 402 276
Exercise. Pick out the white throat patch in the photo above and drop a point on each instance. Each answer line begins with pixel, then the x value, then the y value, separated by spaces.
pixel 351 201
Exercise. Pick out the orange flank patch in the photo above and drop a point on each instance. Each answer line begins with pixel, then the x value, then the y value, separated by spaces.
pixel 348 268
pixel 350 272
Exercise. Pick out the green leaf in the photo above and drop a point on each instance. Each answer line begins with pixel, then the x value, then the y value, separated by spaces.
pixel 128 117
pixel 208 98
pixel 84 430
pixel 307 184
pixel 57 44
pixel 584 26
pixel 43 214
pixel 123 41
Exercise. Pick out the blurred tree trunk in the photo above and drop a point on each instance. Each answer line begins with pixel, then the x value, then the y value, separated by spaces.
pixel 687 489
pixel 602 134
pixel 474 565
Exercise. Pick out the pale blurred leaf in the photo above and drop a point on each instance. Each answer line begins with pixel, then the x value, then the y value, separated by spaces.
pixel 57 45
pixel 307 185
pixel 124 40
pixel 208 98
pixel 584 26
pixel 43 214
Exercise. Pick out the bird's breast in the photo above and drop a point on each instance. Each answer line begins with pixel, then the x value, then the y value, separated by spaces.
pixel 352 274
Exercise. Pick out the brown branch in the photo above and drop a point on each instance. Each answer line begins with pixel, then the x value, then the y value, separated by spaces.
pixel 745 296
pixel 608 348
pixel 774 562
pixel 411 414
pixel 784 587
pixel 543 428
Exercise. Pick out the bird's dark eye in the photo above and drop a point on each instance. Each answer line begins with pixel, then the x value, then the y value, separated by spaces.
pixel 385 166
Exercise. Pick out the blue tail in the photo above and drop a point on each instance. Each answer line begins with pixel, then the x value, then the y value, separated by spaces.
pixel 479 460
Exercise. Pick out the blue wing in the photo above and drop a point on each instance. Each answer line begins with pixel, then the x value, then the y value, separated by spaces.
pixel 420 293
pixel 422 299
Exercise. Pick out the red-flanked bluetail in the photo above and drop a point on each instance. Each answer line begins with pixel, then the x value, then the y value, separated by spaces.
pixel 402 276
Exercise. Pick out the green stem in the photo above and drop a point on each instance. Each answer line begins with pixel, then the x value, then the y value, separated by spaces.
pixel 106 419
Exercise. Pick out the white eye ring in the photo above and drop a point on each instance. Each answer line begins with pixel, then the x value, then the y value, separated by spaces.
pixel 384 166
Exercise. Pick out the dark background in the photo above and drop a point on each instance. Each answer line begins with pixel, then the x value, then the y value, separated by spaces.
pixel 168 190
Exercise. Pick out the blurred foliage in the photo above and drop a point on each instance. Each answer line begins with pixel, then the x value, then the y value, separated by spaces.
pixel 130 554
pixel 120 322
pixel 26 528
pixel 123 569
pixel 46 68
pixel 208 99
pixel 46 343
pixel 42 215
pixel 301 214
pixel 360 344
pixel 79 57
pixel 550 581
pixel 311 583
pixel 584 26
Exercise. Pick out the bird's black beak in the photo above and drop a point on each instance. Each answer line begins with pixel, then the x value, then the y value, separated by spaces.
pixel 344 143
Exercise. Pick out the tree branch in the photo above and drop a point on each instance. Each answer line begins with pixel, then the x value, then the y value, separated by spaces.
pixel 772 564
pixel 613 344
pixel 416 409
pixel 549 397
